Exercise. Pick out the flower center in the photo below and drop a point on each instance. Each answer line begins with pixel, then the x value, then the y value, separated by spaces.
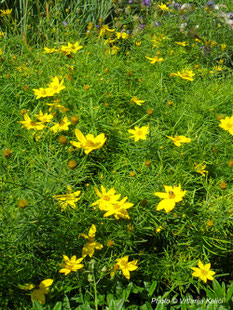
pixel 171 195
pixel 229 125
pixel 204 272
pixel 107 198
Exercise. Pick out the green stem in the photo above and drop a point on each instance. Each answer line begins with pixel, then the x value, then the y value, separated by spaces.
pixel 95 290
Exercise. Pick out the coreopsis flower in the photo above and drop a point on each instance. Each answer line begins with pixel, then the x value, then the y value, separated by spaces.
pixel 39 292
pixel 199 168
pixel 155 59
pixel 72 264
pixel 43 92
pixel 105 29
pixel 227 124
pixel 125 266
pixel 29 124
pixel 184 75
pixel 203 272
pixel 139 133
pixel 107 198
pixel 137 101
pixel 88 143
pixel 178 140
pixel 157 39
pixel 6 12
pixel 182 43
pixel 44 118
pixel 50 50
pixel 68 199
pixel 55 105
pixel 118 209
pixel 63 125
pixel 114 49
pixel 71 48
pixel 163 7
pixel 55 86
pixel 173 195
pixel 91 245
pixel 121 35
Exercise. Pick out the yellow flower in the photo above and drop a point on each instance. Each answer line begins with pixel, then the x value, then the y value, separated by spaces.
pixel 29 124
pixel 55 86
pixel 182 43
pixel 227 124
pixel 55 105
pixel 125 266
pixel 179 139
pixel 122 35
pixel 6 12
pixel 158 229
pixel 44 118
pixel 138 43
pixel 68 199
pixel 50 50
pixel 137 101
pixel 163 7
pixel 139 133
pixel 63 125
pixel 155 59
pixel 114 49
pixel 157 39
pixel 43 92
pixel 91 245
pixel 71 48
pixel 118 209
pixel 1 34
pixel 107 198
pixel 105 29
pixel 203 272
pixel 72 264
pixel 88 143
pixel 173 194
pixel 223 46
pixel 38 292
pixel 185 75
pixel 199 168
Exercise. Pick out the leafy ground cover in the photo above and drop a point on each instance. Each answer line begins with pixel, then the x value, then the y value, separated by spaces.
pixel 116 165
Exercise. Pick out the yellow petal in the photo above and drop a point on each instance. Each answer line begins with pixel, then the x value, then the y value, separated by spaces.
pixel 80 136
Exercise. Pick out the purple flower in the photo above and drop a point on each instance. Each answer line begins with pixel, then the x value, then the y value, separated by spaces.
pixel 130 1
pixel 141 26
pixel 176 5
pixel 230 15
pixel 65 23
pixel 210 4
pixel 146 2
pixel 157 24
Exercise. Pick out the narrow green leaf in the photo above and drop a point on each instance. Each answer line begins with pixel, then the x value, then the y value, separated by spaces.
pixel 58 306
pixel 152 288
pixel 37 305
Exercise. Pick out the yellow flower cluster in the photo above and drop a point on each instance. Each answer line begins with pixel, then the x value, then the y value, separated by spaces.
pixel 109 202
pixel 53 88
pixel 64 49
